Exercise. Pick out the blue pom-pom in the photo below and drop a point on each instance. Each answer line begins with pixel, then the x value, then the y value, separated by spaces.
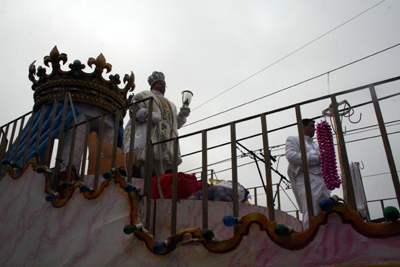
pixel 326 204
pixel 129 188
pixel 84 188
pixel 49 198
pixel 229 220
pixel 158 247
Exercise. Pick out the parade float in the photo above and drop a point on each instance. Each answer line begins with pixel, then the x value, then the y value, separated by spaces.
pixel 89 209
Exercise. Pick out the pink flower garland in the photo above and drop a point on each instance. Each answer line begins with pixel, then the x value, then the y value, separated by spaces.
pixel 328 157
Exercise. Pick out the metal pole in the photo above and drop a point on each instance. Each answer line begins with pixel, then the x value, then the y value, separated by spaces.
pixel 21 126
pixel 304 163
pixel 343 155
pixel 87 130
pixel 98 156
pixel 11 140
pixel 55 176
pixel 204 200
pixel 268 175
pixel 255 195
pixel 235 196
pixel 39 132
pixel 174 207
pixel 51 129
pixel 132 144
pixel 28 138
pixel 115 140
pixel 386 143
pixel 279 197
pixel 149 163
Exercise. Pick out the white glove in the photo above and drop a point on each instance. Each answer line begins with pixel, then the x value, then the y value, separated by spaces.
pixel 141 115
pixel 156 118
pixel 185 112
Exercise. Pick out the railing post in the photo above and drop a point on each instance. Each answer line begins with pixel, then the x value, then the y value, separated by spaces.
pixel 132 144
pixel 98 156
pixel 71 155
pixel 386 143
pixel 235 196
pixel 55 176
pixel 174 207
pixel 149 163
pixel 85 145
pixel 268 175
pixel 28 137
pixel 278 197
pixel 11 141
pixel 21 127
pixel 51 129
pixel 344 161
pixel 3 147
pixel 204 199
pixel 255 195
pixel 115 140
pixel 39 133
pixel 305 164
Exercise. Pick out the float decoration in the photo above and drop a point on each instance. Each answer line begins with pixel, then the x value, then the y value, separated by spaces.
pixel 328 157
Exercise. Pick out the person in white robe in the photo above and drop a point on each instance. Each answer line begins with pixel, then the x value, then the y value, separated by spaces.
pixel 166 122
pixel 296 173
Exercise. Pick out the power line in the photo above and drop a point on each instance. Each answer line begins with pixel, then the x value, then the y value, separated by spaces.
pixel 316 39
pixel 351 132
pixel 376 174
pixel 240 156
pixel 294 85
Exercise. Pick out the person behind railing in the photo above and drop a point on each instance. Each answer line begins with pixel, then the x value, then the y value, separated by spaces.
pixel 296 173
pixel 166 122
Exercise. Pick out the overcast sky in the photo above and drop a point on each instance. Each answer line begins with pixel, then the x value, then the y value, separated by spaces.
pixel 207 47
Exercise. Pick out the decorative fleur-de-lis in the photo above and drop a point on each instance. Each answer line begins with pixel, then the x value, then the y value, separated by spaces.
pixel 100 63
pixel 130 82
pixel 55 57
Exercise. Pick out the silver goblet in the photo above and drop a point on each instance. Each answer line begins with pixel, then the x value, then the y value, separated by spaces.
pixel 186 98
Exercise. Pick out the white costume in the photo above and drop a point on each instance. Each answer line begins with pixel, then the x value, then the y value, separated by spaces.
pixel 166 123
pixel 296 175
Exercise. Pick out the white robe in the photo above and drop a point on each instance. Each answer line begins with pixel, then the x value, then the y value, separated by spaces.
pixel 167 128
pixel 296 175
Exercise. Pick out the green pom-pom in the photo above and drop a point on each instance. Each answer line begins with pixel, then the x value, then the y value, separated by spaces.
pixel 40 170
pixel 15 165
pixel 391 213
pixel 281 230
pixel 208 234
pixel 107 174
pixel 129 229
pixel 65 184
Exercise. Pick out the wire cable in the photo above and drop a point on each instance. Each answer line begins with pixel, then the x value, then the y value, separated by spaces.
pixel 316 39
pixel 294 85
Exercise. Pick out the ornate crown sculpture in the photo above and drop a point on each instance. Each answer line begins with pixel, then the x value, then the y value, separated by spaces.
pixel 89 88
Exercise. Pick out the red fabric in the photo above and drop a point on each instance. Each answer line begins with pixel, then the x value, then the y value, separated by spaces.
pixel 63 178
pixel 187 186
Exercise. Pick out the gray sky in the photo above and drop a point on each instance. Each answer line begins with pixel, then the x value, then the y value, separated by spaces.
pixel 208 47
